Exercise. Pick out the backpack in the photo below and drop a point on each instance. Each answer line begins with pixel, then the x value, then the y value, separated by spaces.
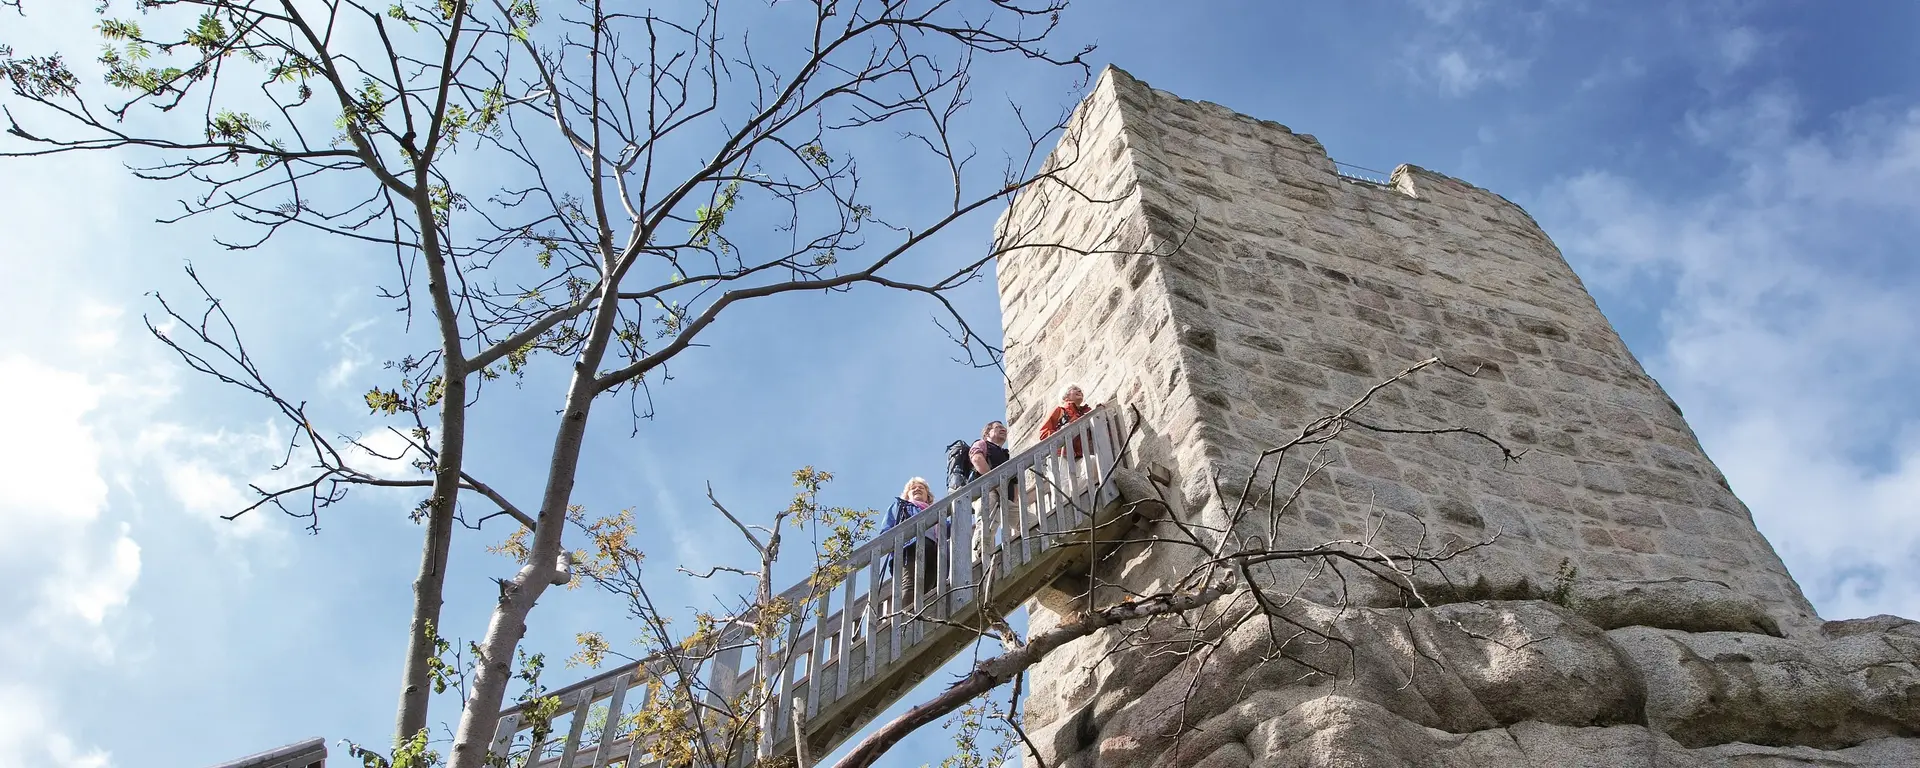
pixel 959 465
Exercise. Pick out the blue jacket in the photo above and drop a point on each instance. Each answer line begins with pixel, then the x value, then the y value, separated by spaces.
pixel 898 513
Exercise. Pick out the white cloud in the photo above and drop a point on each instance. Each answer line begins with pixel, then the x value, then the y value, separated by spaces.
pixel 353 356
pixel 29 734
pixel 201 489
pixel 94 584
pixel 1614 70
pixel 51 497
pixel 1452 51
pixel 49 466
pixel 98 330
pixel 1456 75
pixel 1447 11
pixel 1791 335
pixel 690 547
pixel 1464 68
pixel 207 474
pixel 384 453
pixel 1738 47
pixel 1765 120
pixel 67 578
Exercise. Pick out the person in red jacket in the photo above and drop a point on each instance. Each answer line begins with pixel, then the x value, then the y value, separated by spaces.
pixel 1072 406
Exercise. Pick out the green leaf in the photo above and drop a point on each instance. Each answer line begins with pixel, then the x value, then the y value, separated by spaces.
pixel 412 753
pixel 709 219
pixel 517 359
pixel 209 35
pixel 384 401
pixel 117 29
pixel 492 103
pixel 397 12
pixel 814 154
pixel 233 126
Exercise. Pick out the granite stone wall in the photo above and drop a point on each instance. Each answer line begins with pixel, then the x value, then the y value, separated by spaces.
pixel 1240 287
pixel 1216 275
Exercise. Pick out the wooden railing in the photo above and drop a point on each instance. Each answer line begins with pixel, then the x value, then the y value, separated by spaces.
pixel 843 656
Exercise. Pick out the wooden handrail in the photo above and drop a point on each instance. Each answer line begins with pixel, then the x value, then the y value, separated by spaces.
pixel 843 660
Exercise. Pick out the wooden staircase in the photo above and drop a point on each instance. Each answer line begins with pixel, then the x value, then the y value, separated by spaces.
pixel 842 657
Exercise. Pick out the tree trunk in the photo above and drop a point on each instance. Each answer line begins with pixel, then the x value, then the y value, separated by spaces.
pixel 430 584
pixel 428 587
pixel 518 595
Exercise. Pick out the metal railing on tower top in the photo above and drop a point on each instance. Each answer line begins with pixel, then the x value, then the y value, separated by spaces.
pixel 1361 173
pixel 838 655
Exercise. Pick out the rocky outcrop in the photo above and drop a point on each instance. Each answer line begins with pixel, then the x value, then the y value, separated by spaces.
pixel 1341 731
pixel 1495 683
pixel 1692 605
pixel 1723 687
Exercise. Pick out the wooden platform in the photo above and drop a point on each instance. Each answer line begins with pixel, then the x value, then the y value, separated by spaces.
pixel 842 656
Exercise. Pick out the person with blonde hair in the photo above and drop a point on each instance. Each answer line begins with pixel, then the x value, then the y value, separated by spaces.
pixel 914 498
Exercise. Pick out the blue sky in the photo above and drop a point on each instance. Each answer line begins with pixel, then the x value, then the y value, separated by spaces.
pixel 1738 184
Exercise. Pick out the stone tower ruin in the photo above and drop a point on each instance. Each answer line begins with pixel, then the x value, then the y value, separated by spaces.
pixel 1217 274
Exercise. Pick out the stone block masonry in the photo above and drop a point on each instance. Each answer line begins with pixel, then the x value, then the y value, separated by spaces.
pixel 1216 274
pixel 1277 291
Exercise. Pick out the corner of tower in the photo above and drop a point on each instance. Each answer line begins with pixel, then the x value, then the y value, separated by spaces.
pixel 1061 238
pixel 1424 184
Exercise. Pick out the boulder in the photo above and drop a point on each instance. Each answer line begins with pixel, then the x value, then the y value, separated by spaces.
pixel 1873 625
pixel 1879 753
pixel 1532 660
pixel 1340 732
pixel 1714 688
pixel 1691 605
pixel 1457 668
pixel 1344 732
pixel 1491 683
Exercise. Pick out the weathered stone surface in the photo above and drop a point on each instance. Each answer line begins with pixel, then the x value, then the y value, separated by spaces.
pixel 1337 730
pixel 1556 686
pixel 1222 241
pixel 1237 288
pixel 1533 660
pixel 1722 687
pixel 1870 625
pixel 1458 668
pixel 1693 605
pixel 1880 753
